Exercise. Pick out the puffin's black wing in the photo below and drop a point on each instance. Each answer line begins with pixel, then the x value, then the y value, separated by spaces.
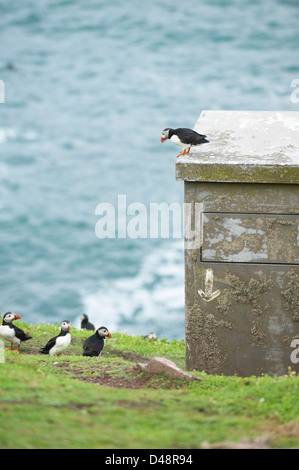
pixel 49 345
pixel 86 325
pixel 188 136
pixel 20 334
pixel 93 345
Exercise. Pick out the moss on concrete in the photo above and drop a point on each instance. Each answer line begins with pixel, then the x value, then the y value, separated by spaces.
pixel 201 329
pixel 291 294
pixel 243 293
pixel 236 173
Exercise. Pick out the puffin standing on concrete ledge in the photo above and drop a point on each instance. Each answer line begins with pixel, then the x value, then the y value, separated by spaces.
pixel 183 137
pixel 57 345
pixel 11 332
pixel 94 344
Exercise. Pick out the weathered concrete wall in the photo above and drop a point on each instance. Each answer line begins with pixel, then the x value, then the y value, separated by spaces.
pixel 249 327
pixel 242 283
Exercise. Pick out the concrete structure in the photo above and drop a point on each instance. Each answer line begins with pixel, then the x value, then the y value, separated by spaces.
pixel 242 279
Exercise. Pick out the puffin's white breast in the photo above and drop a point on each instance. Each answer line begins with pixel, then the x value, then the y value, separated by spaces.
pixel 176 141
pixel 62 342
pixel 8 333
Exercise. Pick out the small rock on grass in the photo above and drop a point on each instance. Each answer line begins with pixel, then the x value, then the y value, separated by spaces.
pixel 158 365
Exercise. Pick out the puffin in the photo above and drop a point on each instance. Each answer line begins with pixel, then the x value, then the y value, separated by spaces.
pixel 57 345
pixel 11 332
pixel 93 345
pixel 85 324
pixel 183 137
pixel 151 335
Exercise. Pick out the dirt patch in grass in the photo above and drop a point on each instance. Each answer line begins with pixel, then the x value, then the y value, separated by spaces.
pixel 110 380
pixel 275 433
pixel 115 368
pixel 128 377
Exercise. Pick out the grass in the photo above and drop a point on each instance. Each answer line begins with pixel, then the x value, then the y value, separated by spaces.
pixel 73 401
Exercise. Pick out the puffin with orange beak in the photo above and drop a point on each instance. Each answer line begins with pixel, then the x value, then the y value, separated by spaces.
pixel 93 345
pixel 183 137
pixel 57 345
pixel 11 332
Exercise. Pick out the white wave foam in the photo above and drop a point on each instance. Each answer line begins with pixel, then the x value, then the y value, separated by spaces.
pixel 153 300
pixel 9 133
pixel 6 134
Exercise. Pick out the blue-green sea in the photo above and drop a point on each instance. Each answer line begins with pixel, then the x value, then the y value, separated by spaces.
pixel 89 86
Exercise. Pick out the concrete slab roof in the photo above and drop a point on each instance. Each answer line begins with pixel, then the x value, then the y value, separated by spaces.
pixel 244 146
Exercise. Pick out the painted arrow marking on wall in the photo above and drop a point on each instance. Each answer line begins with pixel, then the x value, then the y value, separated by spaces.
pixel 209 295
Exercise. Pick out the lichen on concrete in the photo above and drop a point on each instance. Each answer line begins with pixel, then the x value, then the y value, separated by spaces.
pixel 282 239
pixel 291 294
pixel 243 293
pixel 201 329
pixel 258 337
pixel 240 238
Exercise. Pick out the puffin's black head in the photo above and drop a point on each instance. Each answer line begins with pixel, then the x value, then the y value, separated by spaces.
pixel 66 325
pixel 165 134
pixel 84 317
pixel 103 332
pixel 10 316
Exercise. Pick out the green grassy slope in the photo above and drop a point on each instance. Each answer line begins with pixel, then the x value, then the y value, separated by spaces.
pixel 73 401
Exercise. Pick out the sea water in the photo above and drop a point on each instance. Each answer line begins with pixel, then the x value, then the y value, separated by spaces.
pixel 86 89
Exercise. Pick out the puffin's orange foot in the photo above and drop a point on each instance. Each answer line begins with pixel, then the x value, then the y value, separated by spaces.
pixel 9 347
pixel 181 153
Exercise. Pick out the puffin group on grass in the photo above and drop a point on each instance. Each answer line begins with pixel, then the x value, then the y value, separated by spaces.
pixel 56 346
pixel 183 137
pixel 93 345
